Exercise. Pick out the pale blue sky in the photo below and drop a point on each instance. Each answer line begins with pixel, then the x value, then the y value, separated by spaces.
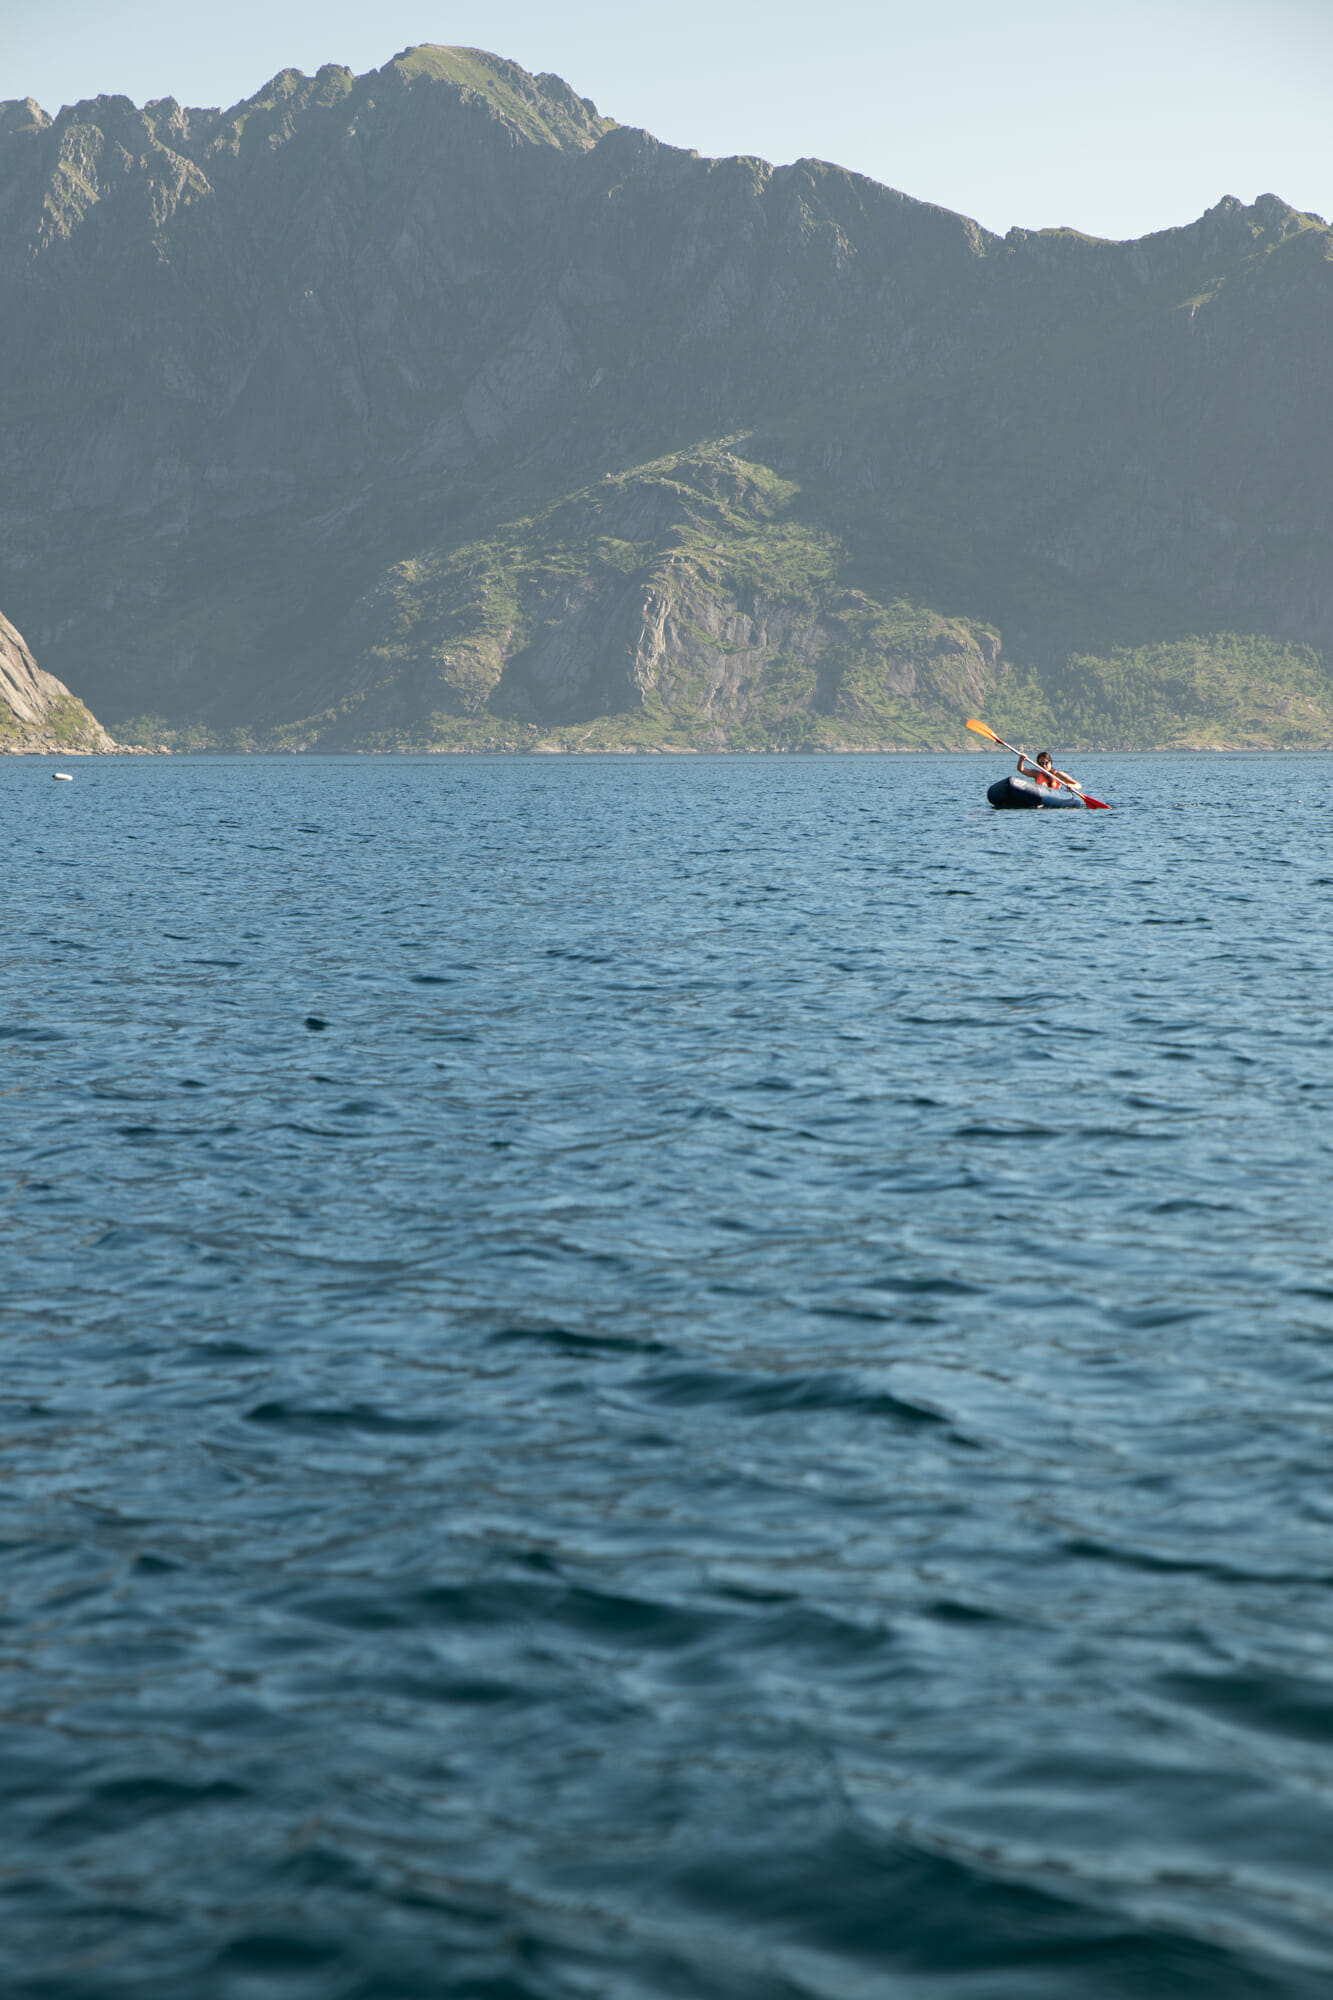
pixel 1116 118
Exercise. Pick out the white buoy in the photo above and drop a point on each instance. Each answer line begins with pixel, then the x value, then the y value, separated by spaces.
pixel 62 777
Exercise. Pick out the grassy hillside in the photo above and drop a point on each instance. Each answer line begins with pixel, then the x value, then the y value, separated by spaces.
pixel 704 600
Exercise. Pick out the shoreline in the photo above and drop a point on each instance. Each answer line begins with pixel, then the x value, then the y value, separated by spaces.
pixel 554 751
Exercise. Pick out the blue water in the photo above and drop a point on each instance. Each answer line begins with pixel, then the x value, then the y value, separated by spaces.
pixel 665 1377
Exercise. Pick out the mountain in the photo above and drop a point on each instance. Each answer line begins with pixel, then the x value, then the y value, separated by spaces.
pixel 36 711
pixel 431 408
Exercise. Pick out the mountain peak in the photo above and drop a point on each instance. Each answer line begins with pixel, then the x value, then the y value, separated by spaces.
pixel 22 114
pixel 544 108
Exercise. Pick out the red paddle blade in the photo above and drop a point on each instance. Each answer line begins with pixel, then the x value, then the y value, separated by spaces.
pixel 1098 805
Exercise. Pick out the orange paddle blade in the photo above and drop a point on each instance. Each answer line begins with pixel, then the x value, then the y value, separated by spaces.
pixel 982 730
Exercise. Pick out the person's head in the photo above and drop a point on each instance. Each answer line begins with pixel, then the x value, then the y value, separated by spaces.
pixel 1044 759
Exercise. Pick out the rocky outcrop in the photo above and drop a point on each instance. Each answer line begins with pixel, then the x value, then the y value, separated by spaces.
pixel 38 712
pixel 676 607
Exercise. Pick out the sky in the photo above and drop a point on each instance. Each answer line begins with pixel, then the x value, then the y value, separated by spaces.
pixel 1117 119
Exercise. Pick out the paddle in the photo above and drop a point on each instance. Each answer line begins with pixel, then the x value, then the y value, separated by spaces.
pixel 1098 805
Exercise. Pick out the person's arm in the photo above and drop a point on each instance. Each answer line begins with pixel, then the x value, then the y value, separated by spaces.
pixel 1065 778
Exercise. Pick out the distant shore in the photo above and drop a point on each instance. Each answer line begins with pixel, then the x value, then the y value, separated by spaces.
pixel 550 750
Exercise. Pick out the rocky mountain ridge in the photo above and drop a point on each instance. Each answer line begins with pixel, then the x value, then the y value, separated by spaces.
pixel 431 408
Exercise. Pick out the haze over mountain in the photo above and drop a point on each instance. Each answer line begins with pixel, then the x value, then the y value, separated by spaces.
pixel 431 408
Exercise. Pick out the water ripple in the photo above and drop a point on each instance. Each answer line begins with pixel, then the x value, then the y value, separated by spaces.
pixel 665 1377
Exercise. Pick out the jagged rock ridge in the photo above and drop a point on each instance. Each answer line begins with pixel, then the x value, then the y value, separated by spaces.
pixel 432 407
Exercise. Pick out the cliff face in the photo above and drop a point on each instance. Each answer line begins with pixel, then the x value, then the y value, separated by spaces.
pixel 431 406
pixel 37 712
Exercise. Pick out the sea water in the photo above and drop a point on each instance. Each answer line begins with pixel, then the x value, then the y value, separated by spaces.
pixel 665 1377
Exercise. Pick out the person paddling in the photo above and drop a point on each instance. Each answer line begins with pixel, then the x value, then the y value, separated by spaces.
pixel 1045 772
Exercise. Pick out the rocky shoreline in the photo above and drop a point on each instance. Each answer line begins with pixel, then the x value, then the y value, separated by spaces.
pixel 38 714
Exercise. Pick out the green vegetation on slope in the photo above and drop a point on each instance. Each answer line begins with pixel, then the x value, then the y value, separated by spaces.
pixel 704 600
pixel 544 108
pixel 1223 690
pixel 65 725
